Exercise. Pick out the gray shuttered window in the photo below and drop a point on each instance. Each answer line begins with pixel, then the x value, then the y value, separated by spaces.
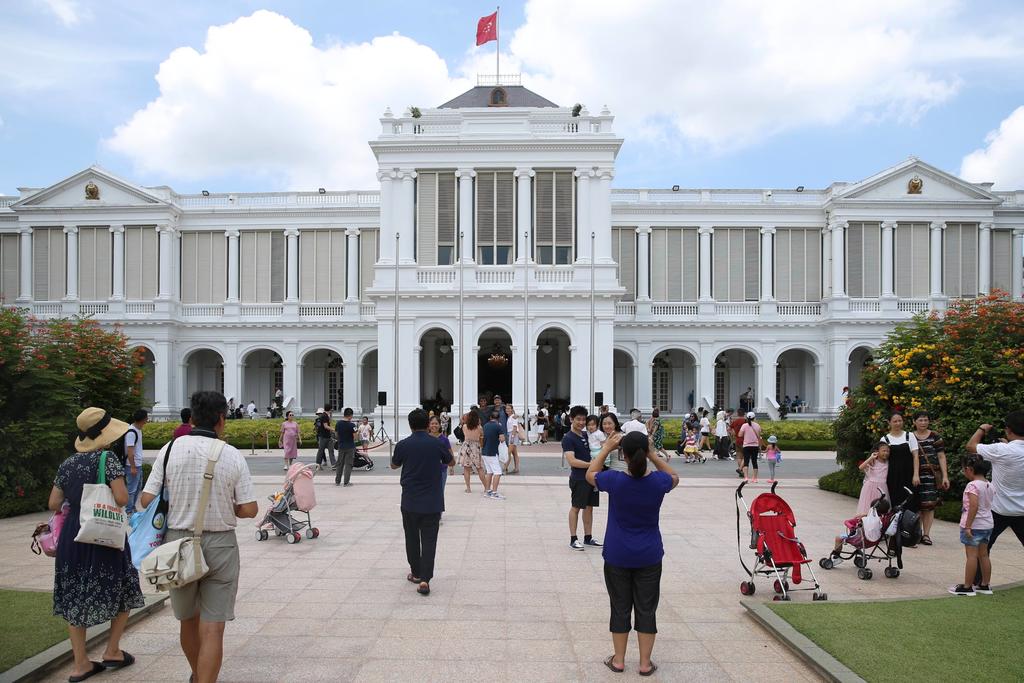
pixel 261 266
pixel 960 260
pixel 1002 260
pixel 436 214
pixel 10 267
pixel 911 260
pixel 322 266
pixel 95 246
pixel 369 252
pixel 554 217
pixel 204 266
pixel 495 217
pixel 48 264
pixel 142 262
pixel 736 254
pixel 675 254
pixel 624 252
pixel 798 264
pixel 863 260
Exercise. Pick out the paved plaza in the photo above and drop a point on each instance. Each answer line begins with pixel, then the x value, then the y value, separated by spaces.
pixel 510 600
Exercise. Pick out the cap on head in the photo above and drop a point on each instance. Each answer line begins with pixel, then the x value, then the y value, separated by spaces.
pixel 773 439
pixel 751 416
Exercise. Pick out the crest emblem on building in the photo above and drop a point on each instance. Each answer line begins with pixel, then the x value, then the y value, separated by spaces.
pixel 915 185
pixel 92 190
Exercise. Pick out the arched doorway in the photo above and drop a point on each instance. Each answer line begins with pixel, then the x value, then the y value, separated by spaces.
pixel 437 369
pixel 735 374
pixel 262 378
pixel 859 358
pixel 624 390
pixel 204 371
pixel 674 381
pixel 796 377
pixel 368 384
pixel 494 364
pixel 554 367
pixel 147 362
pixel 323 380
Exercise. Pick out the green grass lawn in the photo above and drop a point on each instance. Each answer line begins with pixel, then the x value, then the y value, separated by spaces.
pixel 28 626
pixel 954 639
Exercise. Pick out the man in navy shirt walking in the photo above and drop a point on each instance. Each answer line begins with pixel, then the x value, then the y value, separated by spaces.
pixel 584 496
pixel 346 431
pixel 420 456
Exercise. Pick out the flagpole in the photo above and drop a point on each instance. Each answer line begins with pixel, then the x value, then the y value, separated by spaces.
pixel 497 51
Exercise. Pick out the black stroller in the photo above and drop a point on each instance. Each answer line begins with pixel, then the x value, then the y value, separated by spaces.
pixel 362 461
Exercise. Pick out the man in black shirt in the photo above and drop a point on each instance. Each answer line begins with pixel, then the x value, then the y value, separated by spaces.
pixel 324 436
pixel 421 456
pixel 346 431
pixel 576 450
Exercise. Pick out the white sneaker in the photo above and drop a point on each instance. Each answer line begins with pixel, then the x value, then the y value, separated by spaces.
pixel 576 545
pixel 487 494
pixel 497 496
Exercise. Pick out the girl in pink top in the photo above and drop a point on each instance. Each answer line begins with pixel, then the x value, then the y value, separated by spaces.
pixel 289 440
pixel 875 469
pixel 976 526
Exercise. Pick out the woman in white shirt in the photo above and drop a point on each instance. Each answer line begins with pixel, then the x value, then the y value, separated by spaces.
pixel 705 432
pixel 903 463
pixel 515 438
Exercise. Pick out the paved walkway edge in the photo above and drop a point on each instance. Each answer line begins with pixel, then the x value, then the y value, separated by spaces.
pixel 830 668
pixel 33 668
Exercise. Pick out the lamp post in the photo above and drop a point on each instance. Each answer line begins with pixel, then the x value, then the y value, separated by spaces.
pixel 462 347
pixel 395 379
pixel 526 333
pixel 593 236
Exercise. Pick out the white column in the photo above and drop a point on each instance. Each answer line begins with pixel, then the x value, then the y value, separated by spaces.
pixel 71 289
pixel 840 363
pixel 583 221
pixel 839 260
pixel 387 227
pixel 25 289
pixel 162 398
pixel 826 261
pixel 352 264
pixel 524 214
pixel 705 265
pixel 643 263
pixel 767 263
pixel 406 217
pixel 118 286
pixel 888 289
pixel 706 374
pixel 232 236
pixel 984 258
pixel 935 265
pixel 1018 267
pixel 466 250
pixel 601 216
pixel 233 373
pixel 291 372
pixel 292 236
pixel 166 232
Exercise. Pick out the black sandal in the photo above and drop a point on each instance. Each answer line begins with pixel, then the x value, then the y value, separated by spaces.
pixel 97 668
pixel 649 672
pixel 127 660
pixel 926 540
pixel 411 579
pixel 608 663
pixel 424 588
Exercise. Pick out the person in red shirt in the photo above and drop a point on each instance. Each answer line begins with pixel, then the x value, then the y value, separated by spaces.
pixel 186 423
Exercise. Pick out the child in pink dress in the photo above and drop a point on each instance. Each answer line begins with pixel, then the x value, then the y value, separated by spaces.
pixel 875 469
pixel 289 440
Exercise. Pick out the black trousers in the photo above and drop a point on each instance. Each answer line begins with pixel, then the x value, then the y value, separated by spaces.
pixel 722 447
pixel 324 444
pixel 421 542
pixel 1001 523
pixel 345 459
pixel 633 591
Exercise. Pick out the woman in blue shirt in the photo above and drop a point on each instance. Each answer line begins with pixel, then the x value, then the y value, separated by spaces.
pixel 632 545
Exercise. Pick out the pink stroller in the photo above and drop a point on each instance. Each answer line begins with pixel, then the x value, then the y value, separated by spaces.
pixel 298 495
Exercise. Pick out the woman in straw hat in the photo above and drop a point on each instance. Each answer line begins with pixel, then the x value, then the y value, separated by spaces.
pixel 91 583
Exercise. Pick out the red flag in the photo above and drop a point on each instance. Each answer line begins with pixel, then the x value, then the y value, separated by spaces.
pixel 487 29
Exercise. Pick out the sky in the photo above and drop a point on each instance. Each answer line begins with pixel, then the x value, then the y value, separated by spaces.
pixel 244 96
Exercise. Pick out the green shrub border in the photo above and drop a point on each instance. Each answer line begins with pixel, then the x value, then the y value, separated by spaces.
pixel 848 483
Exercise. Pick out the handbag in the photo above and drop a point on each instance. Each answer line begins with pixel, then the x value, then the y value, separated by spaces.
pixel 46 536
pixel 180 562
pixel 872 526
pixel 503 453
pixel 149 525
pixel 103 521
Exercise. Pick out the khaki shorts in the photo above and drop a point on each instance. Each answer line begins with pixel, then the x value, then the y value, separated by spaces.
pixel 212 598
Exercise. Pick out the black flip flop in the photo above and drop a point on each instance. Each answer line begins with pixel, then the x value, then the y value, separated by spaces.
pixel 97 668
pixel 608 663
pixel 926 540
pixel 649 672
pixel 423 590
pixel 119 663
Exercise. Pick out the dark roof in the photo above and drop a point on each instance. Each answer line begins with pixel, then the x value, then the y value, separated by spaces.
pixel 480 96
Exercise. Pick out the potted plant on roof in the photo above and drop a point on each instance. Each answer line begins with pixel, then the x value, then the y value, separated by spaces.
pixel 415 111
pixel 576 109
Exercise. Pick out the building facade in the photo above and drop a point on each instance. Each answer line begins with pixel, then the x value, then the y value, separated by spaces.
pixel 496 257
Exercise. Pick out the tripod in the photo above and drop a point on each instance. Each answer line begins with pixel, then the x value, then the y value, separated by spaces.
pixel 382 434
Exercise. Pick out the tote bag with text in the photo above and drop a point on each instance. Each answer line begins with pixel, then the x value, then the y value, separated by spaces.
pixel 103 521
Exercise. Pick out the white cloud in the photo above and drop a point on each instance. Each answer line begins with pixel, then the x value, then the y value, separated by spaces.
pixel 1002 159
pixel 67 11
pixel 262 100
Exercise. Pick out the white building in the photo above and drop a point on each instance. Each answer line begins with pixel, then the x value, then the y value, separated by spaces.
pixel 497 209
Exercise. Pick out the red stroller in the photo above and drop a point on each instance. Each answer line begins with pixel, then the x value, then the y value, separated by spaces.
pixel 777 550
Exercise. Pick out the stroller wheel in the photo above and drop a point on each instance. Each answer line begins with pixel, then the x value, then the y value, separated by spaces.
pixel 780 598
pixel 291 538
pixel 826 563
pixel 312 532
pixel 859 561
pixel 779 586
pixel 747 587
pixel 891 572
pixel 316 532
pixel 864 574
pixel 819 596
pixel 259 534
pixel 297 536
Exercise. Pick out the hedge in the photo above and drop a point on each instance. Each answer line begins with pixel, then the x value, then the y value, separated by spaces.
pixel 849 482
pixel 793 435
pixel 37 499
pixel 239 433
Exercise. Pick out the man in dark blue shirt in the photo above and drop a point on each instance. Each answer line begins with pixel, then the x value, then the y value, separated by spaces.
pixel 576 449
pixel 493 436
pixel 420 456
pixel 346 431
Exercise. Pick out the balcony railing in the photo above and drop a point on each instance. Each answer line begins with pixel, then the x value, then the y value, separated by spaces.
pixel 47 308
pixel 737 308
pixel 912 306
pixel 261 310
pixel 554 275
pixel 93 308
pixel 625 308
pixel 321 310
pixel 444 275
pixel 367 309
pixel 495 276
pixel 674 309
pixel 865 305
pixel 799 309
pixel 139 307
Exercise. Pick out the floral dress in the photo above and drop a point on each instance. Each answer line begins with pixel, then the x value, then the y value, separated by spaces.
pixel 91 584
pixel 469 451
pixel 290 439
pixel 658 434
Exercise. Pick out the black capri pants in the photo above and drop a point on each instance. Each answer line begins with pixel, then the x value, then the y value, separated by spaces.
pixel 750 456
pixel 633 591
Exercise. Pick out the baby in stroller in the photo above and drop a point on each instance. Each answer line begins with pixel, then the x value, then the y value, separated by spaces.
pixel 879 535
pixel 854 535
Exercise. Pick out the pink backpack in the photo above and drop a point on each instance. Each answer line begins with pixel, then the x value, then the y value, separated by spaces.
pixel 46 536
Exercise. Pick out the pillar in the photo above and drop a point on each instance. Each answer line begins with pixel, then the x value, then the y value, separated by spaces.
pixel 643 263
pixel 466 251
pixel 821 403
pixel 888 287
pixel 826 261
pixel 601 215
pixel 232 374
pixel 604 361
pixel 642 380
pixel 839 260
pixel 706 376
pixel 405 220
pixel 767 263
pixel 935 262
pixel 352 389
pixel 985 258
pixel 352 264
pixel 117 286
pixel 166 232
pixel 705 264
pixel 524 214
pixel 583 221
pixel 71 289
pixel 291 372
pixel 519 352
pixel 1018 267
pixel 25 288
pixel 387 228
pixel 839 374
pixel 163 402
pixel 765 389
pixel 565 376
pixel 232 236
pixel 292 291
